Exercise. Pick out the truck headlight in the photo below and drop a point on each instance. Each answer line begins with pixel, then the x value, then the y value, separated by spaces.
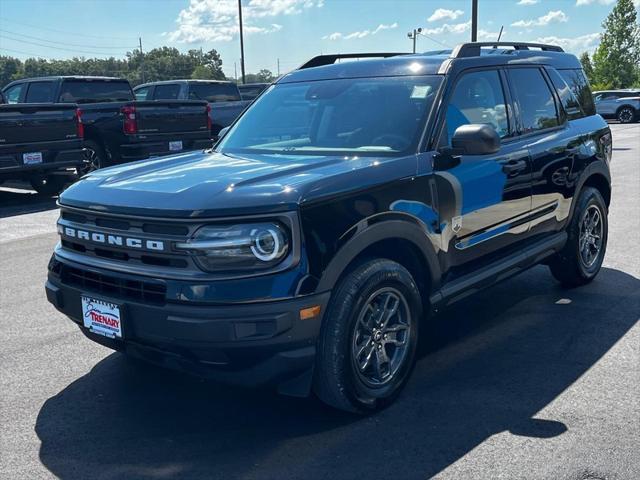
pixel 249 246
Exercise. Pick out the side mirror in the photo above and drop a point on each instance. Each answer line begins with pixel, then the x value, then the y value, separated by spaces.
pixel 475 139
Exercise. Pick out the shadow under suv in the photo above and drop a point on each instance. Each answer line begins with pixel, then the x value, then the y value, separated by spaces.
pixel 347 204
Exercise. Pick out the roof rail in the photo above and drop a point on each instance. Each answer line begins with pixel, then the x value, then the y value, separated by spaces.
pixel 473 49
pixel 330 59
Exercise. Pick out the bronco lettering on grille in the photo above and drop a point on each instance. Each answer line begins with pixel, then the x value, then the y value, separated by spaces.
pixel 110 239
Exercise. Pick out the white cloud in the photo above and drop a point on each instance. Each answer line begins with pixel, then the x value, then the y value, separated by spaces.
pixel 217 20
pixel 487 35
pixel 528 2
pixel 580 3
pixel 443 13
pixel 554 16
pixel 574 45
pixel 360 33
pixel 455 28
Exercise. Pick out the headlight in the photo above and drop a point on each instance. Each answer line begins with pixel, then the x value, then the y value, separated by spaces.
pixel 238 247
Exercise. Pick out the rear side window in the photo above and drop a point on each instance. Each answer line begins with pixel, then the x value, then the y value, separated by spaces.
pixel 477 98
pixel 141 93
pixel 95 91
pixel 39 92
pixel 12 94
pixel 567 97
pixel 167 92
pixel 580 87
pixel 535 100
pixel 214 92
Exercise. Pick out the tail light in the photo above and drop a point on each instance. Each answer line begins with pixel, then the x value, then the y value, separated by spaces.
pixel 130 124
pixel 79 124
pixel 209 116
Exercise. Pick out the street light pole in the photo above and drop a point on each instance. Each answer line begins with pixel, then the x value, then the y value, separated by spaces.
pixel 474 20
pixel 413 36
pixel 241 40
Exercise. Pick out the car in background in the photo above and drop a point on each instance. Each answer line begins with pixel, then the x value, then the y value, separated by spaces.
pixel 250 91
pixel 622 105
pixel 40 144
pixel 117 128
pixel 224 98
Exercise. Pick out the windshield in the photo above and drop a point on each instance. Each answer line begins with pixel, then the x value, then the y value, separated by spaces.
pixel 381 115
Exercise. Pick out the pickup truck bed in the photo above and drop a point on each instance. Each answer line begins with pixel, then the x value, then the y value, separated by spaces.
pixel 39 143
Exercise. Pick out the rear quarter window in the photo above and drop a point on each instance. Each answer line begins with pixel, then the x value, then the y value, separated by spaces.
pixel 95 91
pixel 570 102
pixel 214 92
pixel 579 85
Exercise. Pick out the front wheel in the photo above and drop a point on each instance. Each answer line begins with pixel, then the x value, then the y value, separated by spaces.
pixel 626 115
pixel 368 341
pixel 580 260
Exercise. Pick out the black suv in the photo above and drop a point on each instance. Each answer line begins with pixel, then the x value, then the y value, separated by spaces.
pixel 347 204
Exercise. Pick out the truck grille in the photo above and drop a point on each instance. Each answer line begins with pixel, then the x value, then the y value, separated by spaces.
pixel 142 291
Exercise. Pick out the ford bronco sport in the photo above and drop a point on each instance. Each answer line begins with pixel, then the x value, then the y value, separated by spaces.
pixel 343 207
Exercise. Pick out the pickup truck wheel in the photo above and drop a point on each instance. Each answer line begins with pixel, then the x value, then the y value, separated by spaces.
pixel 580 260
pixel 626 115
pixel 367 345
pixel 48 185
pixel 94 157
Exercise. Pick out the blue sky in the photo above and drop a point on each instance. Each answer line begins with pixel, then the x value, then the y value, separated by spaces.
pixel 289 30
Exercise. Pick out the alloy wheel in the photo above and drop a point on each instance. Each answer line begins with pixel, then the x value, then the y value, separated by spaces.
pixel 590 239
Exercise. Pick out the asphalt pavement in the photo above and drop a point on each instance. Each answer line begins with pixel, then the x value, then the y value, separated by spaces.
pixel 525 380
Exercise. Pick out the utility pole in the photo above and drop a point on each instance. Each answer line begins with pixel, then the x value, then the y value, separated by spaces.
pixel 141 60
pixel 241 40
pixel 235 71
pixel 278 67
pixel 413 35
pixel 474 20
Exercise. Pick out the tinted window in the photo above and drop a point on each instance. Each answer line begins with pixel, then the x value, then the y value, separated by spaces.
pixel 477 98
pixel 39 92
pixel 567 97
pixel 363 116
pixel 141 93
pixel 167 92
pixel 214 92
pixel 537 106
pixel 95 91
pixel 580 87
pixel 12 94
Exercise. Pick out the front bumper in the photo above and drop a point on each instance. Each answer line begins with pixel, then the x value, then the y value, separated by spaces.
pixel 248 344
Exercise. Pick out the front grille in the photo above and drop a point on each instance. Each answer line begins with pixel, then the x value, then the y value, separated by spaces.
pixel 92 282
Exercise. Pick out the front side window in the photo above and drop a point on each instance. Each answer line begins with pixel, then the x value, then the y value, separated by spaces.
pixel 39 92
pixel 12 94
pixel 167 92
pixel 537 105
pixel 141 93
pixel 361 115
pixel 477 98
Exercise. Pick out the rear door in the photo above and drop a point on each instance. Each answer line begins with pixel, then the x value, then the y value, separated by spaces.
pixel 484 200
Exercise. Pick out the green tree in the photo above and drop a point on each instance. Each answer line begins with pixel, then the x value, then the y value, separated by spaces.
pixel 587 66
pixel 10 69
pixel 263 76
pixel 615 61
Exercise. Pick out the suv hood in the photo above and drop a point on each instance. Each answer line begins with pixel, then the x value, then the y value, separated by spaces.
pixel 199 184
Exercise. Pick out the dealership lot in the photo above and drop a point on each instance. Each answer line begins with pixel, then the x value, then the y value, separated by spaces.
pixel 525 380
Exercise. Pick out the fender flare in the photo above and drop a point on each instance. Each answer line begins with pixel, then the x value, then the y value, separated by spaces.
pixel 373 233
pixel 595 168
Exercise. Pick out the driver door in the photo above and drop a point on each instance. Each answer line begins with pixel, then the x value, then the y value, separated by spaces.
pixel 484 200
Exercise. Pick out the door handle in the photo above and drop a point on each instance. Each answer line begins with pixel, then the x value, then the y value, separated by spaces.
pixel 514 167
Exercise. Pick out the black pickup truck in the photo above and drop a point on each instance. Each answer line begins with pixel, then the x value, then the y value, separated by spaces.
pixel 40 143
pixel 117 128
pixel 226 103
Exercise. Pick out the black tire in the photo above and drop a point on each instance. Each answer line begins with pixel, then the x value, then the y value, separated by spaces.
pixel 337 380
pixel 95 157
pixel 626 115
pixel 49 185
pixel 569 266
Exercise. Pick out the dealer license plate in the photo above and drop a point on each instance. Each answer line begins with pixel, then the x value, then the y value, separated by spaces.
pixel 32 158
pixel 101 317
pixel 175 146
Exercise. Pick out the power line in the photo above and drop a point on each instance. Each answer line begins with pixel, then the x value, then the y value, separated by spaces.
pixel 61 48
pixel 34 55
pixel 75 34
pixel 62 43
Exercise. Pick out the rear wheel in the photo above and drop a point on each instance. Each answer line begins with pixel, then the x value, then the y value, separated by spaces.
pixel 368 342
pixel 94 157
pixel 626 115
pixel 581 258
pixel 49 184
